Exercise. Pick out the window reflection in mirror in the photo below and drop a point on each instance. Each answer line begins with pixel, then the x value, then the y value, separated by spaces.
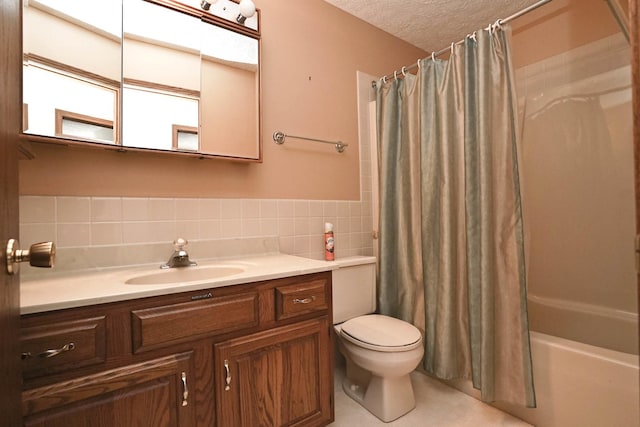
pixel 185 138
pixel 150 114
pixel 72 64
pixel 73 125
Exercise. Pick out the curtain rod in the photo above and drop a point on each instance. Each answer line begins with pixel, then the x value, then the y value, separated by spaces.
pixel 446 49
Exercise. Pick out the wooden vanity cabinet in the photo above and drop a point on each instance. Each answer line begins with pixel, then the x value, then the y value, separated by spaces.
pixel 276 377
pixel 258 354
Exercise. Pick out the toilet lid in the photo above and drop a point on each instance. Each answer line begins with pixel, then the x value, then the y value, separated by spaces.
pixel 382 331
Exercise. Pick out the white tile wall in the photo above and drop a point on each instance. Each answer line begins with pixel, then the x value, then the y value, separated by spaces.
pixel 100 221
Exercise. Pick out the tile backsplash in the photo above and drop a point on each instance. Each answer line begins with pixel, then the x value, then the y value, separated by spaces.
pixel 108 221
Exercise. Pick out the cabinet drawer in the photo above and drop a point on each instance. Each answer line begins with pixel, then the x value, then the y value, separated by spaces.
pixel 58 347
pixel 159 326
pixel 301 298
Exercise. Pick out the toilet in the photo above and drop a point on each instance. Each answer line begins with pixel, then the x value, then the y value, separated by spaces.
pixel 380 351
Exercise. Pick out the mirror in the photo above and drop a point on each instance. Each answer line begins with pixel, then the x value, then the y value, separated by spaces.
pixel 178 79
pixel 71 69
pixel 230 70
pixel 161 75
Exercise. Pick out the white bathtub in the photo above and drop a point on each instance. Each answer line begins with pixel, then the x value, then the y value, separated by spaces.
pixel 590 324
pixel 578 384
pixel 581 385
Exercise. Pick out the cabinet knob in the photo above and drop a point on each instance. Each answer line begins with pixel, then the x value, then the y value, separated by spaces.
pixel 39 255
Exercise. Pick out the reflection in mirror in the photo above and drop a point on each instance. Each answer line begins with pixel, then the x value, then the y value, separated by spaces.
pixel 71 68
pixel 156 74
pixel 78 125
pixel 185 138
pixel 228 10
pixel 230 93
pixel 161 75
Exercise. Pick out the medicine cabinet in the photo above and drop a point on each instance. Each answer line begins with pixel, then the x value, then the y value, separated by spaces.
pixel 157 75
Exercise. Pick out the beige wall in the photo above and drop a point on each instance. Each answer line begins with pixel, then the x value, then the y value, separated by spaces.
pixel 310 54
pixel 558 27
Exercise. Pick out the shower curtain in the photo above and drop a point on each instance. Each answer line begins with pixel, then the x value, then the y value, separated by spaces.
pixel 451 233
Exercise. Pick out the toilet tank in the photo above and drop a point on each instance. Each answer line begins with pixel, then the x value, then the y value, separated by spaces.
pixel 353 288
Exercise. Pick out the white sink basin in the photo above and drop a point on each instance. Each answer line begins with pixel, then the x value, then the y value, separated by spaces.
pixel 186 274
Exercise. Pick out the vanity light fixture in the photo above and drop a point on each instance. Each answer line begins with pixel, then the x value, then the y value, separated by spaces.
pixel 206 5
pixel 247 10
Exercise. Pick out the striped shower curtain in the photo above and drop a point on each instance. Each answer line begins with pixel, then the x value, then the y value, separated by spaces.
pixel 451 233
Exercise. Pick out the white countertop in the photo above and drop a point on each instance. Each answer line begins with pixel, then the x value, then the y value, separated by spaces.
pixel 89 287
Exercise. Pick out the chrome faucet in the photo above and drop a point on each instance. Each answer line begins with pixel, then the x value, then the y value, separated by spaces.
pixel 179 257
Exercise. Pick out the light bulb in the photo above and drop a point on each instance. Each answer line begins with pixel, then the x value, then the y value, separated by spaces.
pixel 206 4
pixel 247 10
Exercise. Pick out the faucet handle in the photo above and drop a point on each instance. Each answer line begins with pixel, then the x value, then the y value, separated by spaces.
pixel 180 243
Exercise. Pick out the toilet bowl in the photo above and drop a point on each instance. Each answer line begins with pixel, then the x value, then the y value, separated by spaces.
pixel 380 351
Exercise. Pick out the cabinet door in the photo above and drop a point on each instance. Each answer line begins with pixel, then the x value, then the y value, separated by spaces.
pixel 280 377
pixel 153 393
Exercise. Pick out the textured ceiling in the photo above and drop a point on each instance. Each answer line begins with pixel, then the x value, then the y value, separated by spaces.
pixel 430 24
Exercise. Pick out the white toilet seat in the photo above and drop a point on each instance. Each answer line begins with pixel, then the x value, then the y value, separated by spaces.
pixel 381 333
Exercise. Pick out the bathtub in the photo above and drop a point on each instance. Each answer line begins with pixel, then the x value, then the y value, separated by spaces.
pixel 577 383
pixel 580 384
pixel 590 324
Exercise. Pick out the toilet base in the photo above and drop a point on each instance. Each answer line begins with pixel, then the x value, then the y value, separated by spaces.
pixel 386 398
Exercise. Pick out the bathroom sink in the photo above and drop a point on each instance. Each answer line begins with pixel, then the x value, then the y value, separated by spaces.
pixel 186 274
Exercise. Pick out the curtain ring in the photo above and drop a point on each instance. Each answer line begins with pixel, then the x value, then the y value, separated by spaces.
pixel 433 56
pixel 498 23
pixel 384 79
pixel 404 71
pixel 395 75
pixel 452 46
pixel 418 64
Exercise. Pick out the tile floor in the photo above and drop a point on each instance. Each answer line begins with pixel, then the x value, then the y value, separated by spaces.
pixel 438 405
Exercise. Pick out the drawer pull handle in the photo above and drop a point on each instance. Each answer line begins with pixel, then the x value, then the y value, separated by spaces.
pixel 57 351
pixel 26 355
pixel 309 300
pixel 227 380
pixel 185 390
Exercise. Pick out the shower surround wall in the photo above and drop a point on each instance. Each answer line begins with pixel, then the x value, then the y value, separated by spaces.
pixel 577 174
pixel 98 221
